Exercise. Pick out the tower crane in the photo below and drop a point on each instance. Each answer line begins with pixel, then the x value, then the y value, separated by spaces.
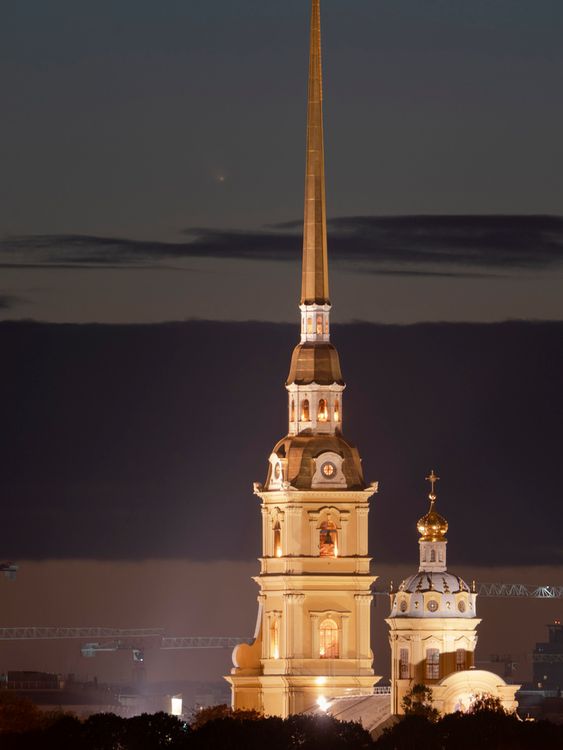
pixel 119 639
pixel 507 590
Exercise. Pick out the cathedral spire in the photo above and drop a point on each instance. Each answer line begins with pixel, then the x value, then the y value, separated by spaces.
pixel 314 288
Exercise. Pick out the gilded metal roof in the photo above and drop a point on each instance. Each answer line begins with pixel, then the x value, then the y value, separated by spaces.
pixel 314 289
pixel 300 451
pixel 315 363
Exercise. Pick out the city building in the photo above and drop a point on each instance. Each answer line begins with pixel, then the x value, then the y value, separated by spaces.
pixel 548 659
pixel 312 639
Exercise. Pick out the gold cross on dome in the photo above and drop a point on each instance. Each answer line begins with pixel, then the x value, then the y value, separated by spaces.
pixel 433 478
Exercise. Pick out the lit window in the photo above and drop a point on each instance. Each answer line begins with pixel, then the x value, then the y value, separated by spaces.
pixel 309 325
pixel 326 326
pixel 323 411
pixel 328 542
pixel 337 410
pixel 329 647
pixel 275 639
pixel 432 663
pixel 460 660
pixel 292 411
pixel 305 415
pixel 404 664
pixel 277 540
pixel 319 325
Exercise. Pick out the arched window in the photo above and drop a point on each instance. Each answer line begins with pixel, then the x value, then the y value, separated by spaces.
pixel 460 660
pixel 277 540
pixel 305 415
pixel 292 411
pixel 337 411
pixel 323 411
pixel 433 555
pixel 328 540
pixel 309 325
pixel 326 326
pixel 275 639
pixel 432 663
pixel 319 325
pixel 328 640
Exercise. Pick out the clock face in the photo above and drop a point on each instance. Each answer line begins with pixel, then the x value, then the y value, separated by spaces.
pixel 277 471
pixel 432 605
pixel 328 470
pixel 461 606
pixel 404 606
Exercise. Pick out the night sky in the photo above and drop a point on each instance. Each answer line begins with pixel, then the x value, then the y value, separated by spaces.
pixel 151 195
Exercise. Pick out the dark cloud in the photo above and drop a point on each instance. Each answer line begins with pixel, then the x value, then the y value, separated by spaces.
pixel 8 301
pixel 429 245
pixel 143 441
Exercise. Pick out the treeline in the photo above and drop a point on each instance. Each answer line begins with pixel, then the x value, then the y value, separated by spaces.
pixel 222 729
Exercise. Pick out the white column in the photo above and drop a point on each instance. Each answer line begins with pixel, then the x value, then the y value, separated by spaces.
pixel 315 641
pixel 362 530
pixel 363 603
pixel 293 533
pixel 265 540
pixel 345 636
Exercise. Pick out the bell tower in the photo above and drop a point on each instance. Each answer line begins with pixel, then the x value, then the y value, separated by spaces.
pixel 312 638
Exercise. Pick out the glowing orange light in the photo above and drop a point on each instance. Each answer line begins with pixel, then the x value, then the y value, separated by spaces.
pixel 278 551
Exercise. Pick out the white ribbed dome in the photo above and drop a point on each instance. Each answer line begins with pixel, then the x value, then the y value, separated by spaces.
pixel 433 594
pixel 443 583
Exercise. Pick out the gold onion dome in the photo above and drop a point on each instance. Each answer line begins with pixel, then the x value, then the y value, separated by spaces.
pixel 432 527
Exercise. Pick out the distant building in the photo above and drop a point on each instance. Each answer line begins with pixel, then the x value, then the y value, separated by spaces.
pixel 53 692
pixel 548 659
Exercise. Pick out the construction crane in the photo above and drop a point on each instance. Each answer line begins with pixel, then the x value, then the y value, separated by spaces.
pixel 119 639
pixel 57 633
pixel 508 590
pixel 167 643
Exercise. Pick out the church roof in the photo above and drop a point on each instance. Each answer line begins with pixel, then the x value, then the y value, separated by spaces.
pixel 315 363
pixel 300 451
pixel 442 583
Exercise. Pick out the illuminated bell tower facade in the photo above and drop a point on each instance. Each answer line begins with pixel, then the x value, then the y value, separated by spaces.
pixel 312 639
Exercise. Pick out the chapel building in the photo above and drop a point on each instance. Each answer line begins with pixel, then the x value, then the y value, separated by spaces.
pixel 433 629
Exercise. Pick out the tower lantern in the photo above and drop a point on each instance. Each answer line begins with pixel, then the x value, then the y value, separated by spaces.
pixel 312 638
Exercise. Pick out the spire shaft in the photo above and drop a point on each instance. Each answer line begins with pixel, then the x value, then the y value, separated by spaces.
pixel 314 289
